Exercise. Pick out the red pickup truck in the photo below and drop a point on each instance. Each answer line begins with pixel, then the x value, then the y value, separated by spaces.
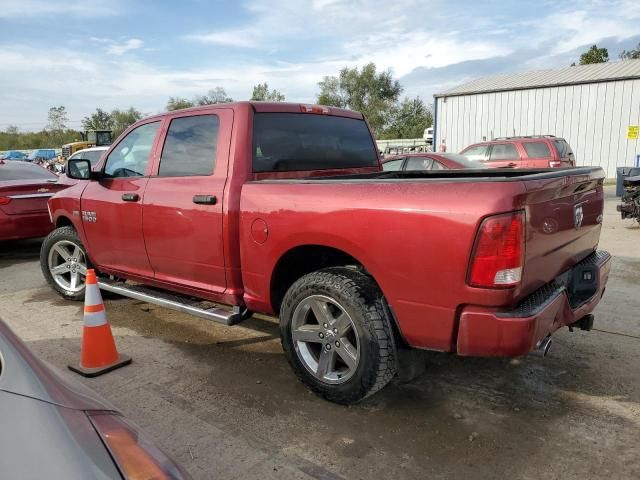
pixel 225 210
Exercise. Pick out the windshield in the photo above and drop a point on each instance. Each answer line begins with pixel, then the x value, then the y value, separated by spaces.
pixel 298 141
pixel 462 160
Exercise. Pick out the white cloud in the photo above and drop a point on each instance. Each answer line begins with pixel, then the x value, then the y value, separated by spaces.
pixel 322 35
pixel 121 48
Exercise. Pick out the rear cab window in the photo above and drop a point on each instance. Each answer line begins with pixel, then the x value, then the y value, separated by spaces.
pixel 300 141
pixel 537 149
pixel 24 171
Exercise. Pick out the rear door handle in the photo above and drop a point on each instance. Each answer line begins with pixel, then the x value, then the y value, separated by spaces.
pixel 512 165
pixel 205 199
pixel 130 197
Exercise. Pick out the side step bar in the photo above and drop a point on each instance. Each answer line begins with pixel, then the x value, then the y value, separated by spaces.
pixel 176 302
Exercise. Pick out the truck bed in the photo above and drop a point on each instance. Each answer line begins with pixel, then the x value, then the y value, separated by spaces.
pixel 415 232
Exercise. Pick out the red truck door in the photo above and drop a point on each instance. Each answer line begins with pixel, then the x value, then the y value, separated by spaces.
pixel 183 201
pixel 112 207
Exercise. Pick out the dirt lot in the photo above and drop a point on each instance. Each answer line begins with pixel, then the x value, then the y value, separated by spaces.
pixel 224 403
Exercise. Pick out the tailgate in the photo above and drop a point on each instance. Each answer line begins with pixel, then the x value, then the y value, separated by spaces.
pixel 564 218
pixel 26 196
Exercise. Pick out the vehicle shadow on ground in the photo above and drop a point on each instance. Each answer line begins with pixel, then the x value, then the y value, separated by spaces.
pixel 19 251
pixel 475 409
pixel 488 417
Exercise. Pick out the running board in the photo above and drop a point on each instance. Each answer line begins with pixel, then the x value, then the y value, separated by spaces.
pixel 180 303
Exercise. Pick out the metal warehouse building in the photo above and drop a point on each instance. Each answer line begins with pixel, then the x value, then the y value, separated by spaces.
pixel 596 108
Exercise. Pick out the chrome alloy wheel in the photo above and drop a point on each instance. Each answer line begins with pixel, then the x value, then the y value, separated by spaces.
pixel 68 265
pixel 325 339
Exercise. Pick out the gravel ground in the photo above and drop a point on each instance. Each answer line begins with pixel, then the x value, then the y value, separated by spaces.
pixel 224 403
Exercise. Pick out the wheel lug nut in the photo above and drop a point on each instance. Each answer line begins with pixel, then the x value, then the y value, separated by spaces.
pixel 325 325
pixel 328 346
pixel 335 330
pixel 321 335
pixel 337 344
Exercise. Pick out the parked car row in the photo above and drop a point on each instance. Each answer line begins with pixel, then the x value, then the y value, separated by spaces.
pixel 544 151
pixel 25 188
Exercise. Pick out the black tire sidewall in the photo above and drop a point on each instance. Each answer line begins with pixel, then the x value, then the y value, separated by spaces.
pixel 62 233
pixel 358 386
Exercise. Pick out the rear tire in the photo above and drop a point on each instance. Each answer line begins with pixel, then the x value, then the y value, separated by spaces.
pixel 336 332
pixel 64 261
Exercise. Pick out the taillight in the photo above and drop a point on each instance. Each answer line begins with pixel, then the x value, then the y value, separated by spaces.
pixel 498 254
pixel 555 164
pixel 319 109
pixel 136 457
pixel 5 200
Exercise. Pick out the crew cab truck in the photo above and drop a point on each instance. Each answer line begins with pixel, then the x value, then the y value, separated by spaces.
pixel 284 209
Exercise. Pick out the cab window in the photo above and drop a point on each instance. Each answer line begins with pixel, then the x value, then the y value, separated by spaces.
pixel 477 153
pixel 190 146
pixel 537 149
pixel 504 151
pixel 130 157
pixel 418 163
pixel 393 165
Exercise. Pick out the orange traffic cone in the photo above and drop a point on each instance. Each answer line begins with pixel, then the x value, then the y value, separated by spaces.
pixel 98 354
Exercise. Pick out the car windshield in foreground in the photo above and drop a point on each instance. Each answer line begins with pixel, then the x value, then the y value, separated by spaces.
pixel 299 141
pixel 462 160
pixel 24 171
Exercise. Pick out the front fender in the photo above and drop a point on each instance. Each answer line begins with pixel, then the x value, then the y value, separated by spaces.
pixel 65 208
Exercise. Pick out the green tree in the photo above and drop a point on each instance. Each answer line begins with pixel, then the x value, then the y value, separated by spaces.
pixel 632 54
pixel 57 118
pixel 365 90
pixel 12 130
pixel 98 120
pixel 121 119
pixel 594 55
pixel 408 120
pixel 176 103
pixel 217 95
pixel 262 93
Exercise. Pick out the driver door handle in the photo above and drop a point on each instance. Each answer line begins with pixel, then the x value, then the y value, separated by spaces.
pixel 130 197
pixel 205 199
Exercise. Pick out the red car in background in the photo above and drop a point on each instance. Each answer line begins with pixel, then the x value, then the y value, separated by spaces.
pixel 543 151
pixel 25 189
pixel 428 161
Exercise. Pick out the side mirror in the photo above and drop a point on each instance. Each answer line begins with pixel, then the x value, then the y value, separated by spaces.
pixel 79 169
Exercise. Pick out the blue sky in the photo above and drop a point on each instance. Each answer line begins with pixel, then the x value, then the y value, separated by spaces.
pixel 115 53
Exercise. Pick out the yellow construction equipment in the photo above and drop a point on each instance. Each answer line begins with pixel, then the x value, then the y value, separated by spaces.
pixel 90 138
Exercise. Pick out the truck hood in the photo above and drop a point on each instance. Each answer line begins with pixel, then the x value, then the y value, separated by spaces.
pixel 22 373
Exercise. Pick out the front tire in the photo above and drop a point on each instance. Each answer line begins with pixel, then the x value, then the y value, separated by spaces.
pixel 64 262
pixel 336 332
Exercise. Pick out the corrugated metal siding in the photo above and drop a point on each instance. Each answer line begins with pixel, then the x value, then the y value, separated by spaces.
pixel 600 72
pixel 593 118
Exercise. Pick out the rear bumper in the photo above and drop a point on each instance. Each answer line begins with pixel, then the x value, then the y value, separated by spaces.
pixel 492 332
